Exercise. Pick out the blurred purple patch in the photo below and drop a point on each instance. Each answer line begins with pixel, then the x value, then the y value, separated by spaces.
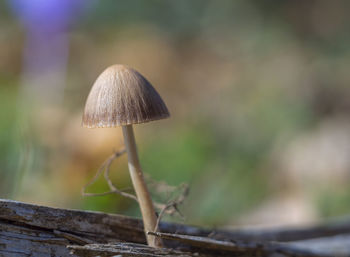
pixel 46 15
pixel 45 55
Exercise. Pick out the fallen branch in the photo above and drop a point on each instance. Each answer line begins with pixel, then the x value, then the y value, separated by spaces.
pixel 32 230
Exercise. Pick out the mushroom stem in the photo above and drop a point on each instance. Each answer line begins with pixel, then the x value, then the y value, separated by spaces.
pixel 146 205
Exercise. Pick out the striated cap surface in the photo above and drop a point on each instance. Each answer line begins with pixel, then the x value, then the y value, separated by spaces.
pixel 122 96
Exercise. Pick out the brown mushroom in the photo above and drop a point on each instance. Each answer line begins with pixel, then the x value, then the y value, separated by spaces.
pixel 122 97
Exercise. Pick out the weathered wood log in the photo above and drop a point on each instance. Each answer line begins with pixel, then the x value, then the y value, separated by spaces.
pixel 239 247
pixel 19 240
pixel 31 230
pixel 332 246
pixel 203 247
pixel 125 249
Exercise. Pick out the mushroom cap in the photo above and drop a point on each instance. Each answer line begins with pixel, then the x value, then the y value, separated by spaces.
pixel 122 96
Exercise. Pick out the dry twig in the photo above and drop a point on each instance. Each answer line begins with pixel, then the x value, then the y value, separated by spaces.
pixel 105 167
pixel 171 207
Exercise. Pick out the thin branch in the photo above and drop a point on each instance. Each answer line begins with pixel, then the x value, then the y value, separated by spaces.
pixel 105 167
pixel 172 205
pixel 110 183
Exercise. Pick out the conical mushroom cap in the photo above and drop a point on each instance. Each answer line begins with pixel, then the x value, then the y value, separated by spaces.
pixel 122 96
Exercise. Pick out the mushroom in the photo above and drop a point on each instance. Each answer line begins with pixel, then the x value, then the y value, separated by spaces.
pixel 122 97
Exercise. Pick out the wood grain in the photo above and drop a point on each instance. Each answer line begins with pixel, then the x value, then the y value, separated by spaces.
pixel 32 230
pixel 125 249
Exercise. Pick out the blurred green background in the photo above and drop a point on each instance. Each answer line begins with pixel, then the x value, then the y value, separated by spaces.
pixel 258 92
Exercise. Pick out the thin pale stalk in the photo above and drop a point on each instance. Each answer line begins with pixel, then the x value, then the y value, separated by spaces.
pixel 146 205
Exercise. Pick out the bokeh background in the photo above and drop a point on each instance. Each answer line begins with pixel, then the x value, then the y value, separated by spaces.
pixel 258 92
